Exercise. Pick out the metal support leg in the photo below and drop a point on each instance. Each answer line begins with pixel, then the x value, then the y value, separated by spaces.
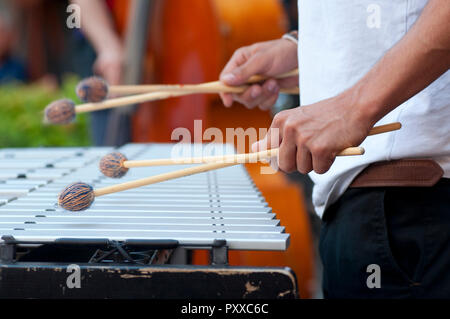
pixel 219 253
pixel 7 252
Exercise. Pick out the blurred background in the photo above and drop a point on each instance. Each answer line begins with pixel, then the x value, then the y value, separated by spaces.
pixel 149 41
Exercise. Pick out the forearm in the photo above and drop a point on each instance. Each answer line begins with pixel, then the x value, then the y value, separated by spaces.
pixel 97 25
pixel 409 67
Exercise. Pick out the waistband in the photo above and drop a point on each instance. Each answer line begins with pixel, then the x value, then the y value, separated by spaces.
pixel 400 173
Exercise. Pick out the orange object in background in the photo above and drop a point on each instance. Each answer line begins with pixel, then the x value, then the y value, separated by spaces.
pixel 246 22
pixel 185 44
pixel 190 43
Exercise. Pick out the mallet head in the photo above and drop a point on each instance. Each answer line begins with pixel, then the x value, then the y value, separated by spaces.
pixel 111 165
pixel 76 197
pixel 93 89
pixel 60 112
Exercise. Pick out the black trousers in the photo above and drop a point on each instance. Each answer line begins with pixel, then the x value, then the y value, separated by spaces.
pixel 399 235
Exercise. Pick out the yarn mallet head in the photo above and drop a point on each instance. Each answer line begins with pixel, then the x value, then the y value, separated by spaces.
pixel 76 197
pixel 93 89
pixel 111 165
pixel 60 112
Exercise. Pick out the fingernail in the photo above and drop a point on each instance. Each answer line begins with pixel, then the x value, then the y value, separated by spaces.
pixel 228 77
pixel 272 87
pixel 255 93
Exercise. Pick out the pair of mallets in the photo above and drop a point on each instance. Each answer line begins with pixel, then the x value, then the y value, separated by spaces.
pixel 80 196
pixel 94 90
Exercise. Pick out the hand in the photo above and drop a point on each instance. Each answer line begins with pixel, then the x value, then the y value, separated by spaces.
pixel 311 136
pixel 109 65
pixel 265 58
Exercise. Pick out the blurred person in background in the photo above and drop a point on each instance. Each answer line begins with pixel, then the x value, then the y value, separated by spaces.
pixel 35 32
pixel 11 68
pixel 49 48
pixel 97 24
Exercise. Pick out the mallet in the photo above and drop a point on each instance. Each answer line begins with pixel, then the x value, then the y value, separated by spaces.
pixel 64 111
pixel 95 89
pixel 116 165
pixel 80 196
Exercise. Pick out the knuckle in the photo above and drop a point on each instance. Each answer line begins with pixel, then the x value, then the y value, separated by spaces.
pixel 290 128
pixel 254 48
pixel 300 140
pixel 319 150
pixel 286 166
pixel 240 51
pixel 279 118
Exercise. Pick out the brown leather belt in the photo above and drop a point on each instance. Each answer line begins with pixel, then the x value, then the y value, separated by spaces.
pixel 400 173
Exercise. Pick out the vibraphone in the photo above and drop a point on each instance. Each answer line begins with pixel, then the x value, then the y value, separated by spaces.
pixel 136 243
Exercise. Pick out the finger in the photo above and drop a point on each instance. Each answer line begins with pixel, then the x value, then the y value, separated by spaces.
pixel 251 96
pixel 240 74
pixel 271 86
pixel 270 89
pixel 268 102
pixel 257 95
pixel 287 159
pixel 271 140
pixel 113 75
pixel 288 82
pixel 322 162
pixel 227 99
pixel 304 160
pixel 273 137
pixel 238 58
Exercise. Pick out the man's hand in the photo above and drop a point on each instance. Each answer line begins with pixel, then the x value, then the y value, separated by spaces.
pixel 265 58
pixel 311 136
pixel 109 65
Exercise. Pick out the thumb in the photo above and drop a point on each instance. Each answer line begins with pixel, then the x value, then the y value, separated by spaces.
pixel 255 146
pixel 271 140
pixel 242 73
pixel 260 145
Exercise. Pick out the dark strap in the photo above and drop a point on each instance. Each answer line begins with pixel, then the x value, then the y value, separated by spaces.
pixel 400 173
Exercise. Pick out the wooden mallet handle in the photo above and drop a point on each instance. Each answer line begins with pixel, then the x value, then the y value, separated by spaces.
pixel 211 87
pixel 232 158
pixel 250 157
pixel 208 87
pixel 160 178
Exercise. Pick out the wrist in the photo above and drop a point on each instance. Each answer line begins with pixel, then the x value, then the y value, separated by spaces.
pixel 291 36
pixel 366 108
pixel 289 45
pixel 288 55
pixel 109 45
pixel 289 42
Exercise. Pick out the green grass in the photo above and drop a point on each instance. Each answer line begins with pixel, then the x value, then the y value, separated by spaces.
pixel 21 114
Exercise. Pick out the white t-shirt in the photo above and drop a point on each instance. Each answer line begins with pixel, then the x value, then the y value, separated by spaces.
pixel 339 42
